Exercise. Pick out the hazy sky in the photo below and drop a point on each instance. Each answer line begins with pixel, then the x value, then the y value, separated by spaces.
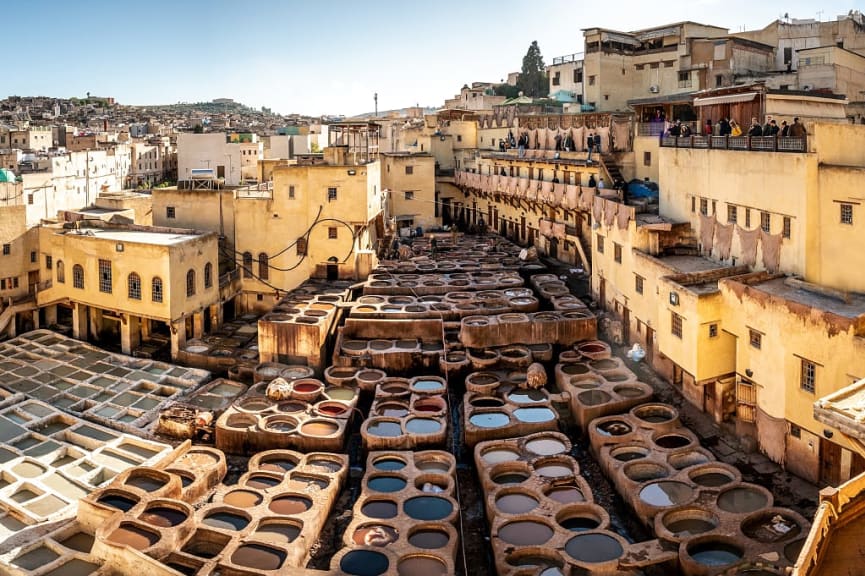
pixel 323 56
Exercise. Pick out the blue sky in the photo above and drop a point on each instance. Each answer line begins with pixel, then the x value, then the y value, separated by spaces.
pixel 323 56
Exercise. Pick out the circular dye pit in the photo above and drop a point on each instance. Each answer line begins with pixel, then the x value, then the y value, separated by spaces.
pixel 282 424
pixel 324 465
pixel 546 446
pixel 521 396
pixel 389 464
pixel 344 394
pixel 715 553
pixel 516 503
pixel 516 477
pixel 566 494
pixel 332 409
pixel 643 471
pixel 163 516
pixel 525 533
pixel 534 415
pixel 288 505
pixel 319 428
pixel 364 563
pixel 579 523
pixel 258 557
pixel 279 465
pixel 742 500
pixel 593 548
pixel 261 482
pixel 605 364
pixel 497 455
pixel 374 535
pixel 683 460
pixel 629 453
pixel 423 426
pixel 432 466
pixel 242 498
pixel 575 369
pixel 614 428
pixel 146 482
pixel 655 413
pixel 554 470
pixel 384 428
pixel 386 483
pixel 671 441
pixel 226 521
pixel 486 402
pixel 421 566
pixel 429 405
pixel 392 410
pixel 593 397
pixel 278 532
pixel 289 407
pixel 122 503
pixel 427 508
pixel 711 478
pixel 689 522
pixel 428 386
pixel 666 493
pixel 429 539
pixel 131 535
pixel 382 509
pixel 490 420
pixel 629 391
pixel 771 525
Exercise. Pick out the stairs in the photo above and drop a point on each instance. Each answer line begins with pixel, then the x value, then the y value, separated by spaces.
pixel 610 166
pixel 8 314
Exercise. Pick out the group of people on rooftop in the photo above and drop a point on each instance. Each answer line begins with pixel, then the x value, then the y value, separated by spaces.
pixel 729 127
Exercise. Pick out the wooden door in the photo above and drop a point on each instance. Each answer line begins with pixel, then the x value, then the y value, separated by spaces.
pixel 830 463
pixel 626 326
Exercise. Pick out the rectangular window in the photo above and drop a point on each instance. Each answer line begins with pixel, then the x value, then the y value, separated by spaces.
pixel 846 213
pixel 732 214
pixel 332 233
pixel 617 252
pixel 32 257
pixel 170 212
pixel 49 262
pixel 409 170
pixel 7 249
pixel 409 195
pixel 765 221
pixel 719 81
pixel 105 276
pixel 808 378
pixel 30 198
pixel 459 137
pixel 600 244
pixel 747 218
pixel 785 231
pixel 331 194
pixel 301 246
pixel 591 80
pixel 557 78
pixel 669 63
pixel 291 192
pixel 578 75
pixel 756 339
pixel 693 203
pixel 713 330
pixel 675 325
pixel 639 66
pixel 704 206
pixel 638 284
pixel 654 65
pixel 647 158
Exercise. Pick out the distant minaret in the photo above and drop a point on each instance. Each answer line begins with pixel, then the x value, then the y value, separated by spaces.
pixel 375 97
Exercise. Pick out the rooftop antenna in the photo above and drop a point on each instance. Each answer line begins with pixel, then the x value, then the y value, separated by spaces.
pixel 375 97
pixel 820 15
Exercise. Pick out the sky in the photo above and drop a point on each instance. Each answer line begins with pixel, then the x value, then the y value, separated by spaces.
pixel 323 56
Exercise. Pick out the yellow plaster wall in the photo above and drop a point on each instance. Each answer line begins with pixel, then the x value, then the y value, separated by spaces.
pixel 421 182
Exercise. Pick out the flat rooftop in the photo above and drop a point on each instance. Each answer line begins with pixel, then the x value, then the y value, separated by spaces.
pixel 685 264
pixel 852 308
pixel 156 238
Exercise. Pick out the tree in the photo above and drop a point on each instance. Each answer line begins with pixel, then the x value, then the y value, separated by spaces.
pixel 533 76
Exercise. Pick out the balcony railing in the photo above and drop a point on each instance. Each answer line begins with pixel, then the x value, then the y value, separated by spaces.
pixel 444 172
pixel 568 58
pixel 749 143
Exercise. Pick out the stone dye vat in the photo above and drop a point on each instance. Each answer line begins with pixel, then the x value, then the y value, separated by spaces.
pixel 403 521
pixel 469 254
pixel 159 522
pixel 406 414
pixel 542 515
pixel 313 417
pixel 232 349
pixel 438 284
pixel 196 412
pixel 553 327
pixel 495 406
pixel 401 353
pixel 118 391
pixel 693 502
pixel 596 383
pixel 296 330
pixel 50 459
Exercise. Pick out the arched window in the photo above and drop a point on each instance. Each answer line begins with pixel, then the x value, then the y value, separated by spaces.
pixel 78 276
pixel 208 275
pixel 262 266
pixel 247 264
pixel 156 289
pixel 190 283
pixel 134 285
pixel 61 272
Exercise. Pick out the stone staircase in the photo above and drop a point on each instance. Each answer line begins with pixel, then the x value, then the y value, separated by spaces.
pixel 611 167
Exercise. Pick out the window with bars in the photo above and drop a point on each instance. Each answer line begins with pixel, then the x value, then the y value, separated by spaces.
pixel 105 276
pixel 208 275
pixel 263 267
pixel 675 325
pixel 765 221
pixel 331 194
pixel 291 192
pixel 704 206
pixel 301 246
pixel 732 214
pixel 78 276
pixel 756 339
pixel 846 214
pixel 638 284
pixel 190 283
pixel 785 231
pixel 713 330
pixel 332 233
pixel 808 378
pixel 247 264
pixel 48 263
pixel 134 286
pixel 617 252
pixel 409 170
pixel 33 257
pixel 170 212
pixel 600 244
pixel 156 289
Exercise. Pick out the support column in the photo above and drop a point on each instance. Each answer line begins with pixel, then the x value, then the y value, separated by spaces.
pixel 36 325
pixel 215 311
pixel 95 321
pixel 197 325
pixel 51 315
pixel 145 328
pixel 79 322
pixel 178 336
pixel 130 333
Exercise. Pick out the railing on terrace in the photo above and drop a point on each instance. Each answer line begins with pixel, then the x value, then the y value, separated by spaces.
pixel 657 128
pixel 229 277
pixel 750 143
pixel 576 57
pixel 444 172
pixel 263 190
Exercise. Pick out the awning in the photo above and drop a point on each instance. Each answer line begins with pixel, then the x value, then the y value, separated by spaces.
pixel 728 99
pixel 402 217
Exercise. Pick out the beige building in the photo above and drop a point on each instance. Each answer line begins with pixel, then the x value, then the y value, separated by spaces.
pixel 478 96
pixel 566 76
pixel 408 181
pixel 224 157
pixel 34 138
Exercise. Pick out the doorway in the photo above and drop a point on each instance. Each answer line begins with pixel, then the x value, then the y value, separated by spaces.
pixel 830 463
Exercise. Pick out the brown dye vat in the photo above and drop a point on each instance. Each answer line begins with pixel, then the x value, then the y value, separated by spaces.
pixel 36 558
pixel 593 397
pixel 241 421
pixel 629 453
pixel 278 532
pixel 614 428
pixel 311 480
pixel 429 539
pixel 130 535
pixel 324 465
pixel 146 483
pixel 261 482
pixel 605 364
pixel 374 535
pixel 319 428
pixel 575 369
pixel 516 503
pixel 432 466
pixel 683 460
pixel 281 424
pixel 290 407
pixel 80 542
pixel 279 465
pixel 525 533
pixel 421 566
pixel 689 526
pixel 671 441
pixel 742 499
pixel 382 509
pixel 566 495
pixel 163 517
pixel 712 479
pixel 593 548
pixel 121 502
pixel 771 525
pixel 242 499
pixel 258 557
pixel 289 505
pixel 666 493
